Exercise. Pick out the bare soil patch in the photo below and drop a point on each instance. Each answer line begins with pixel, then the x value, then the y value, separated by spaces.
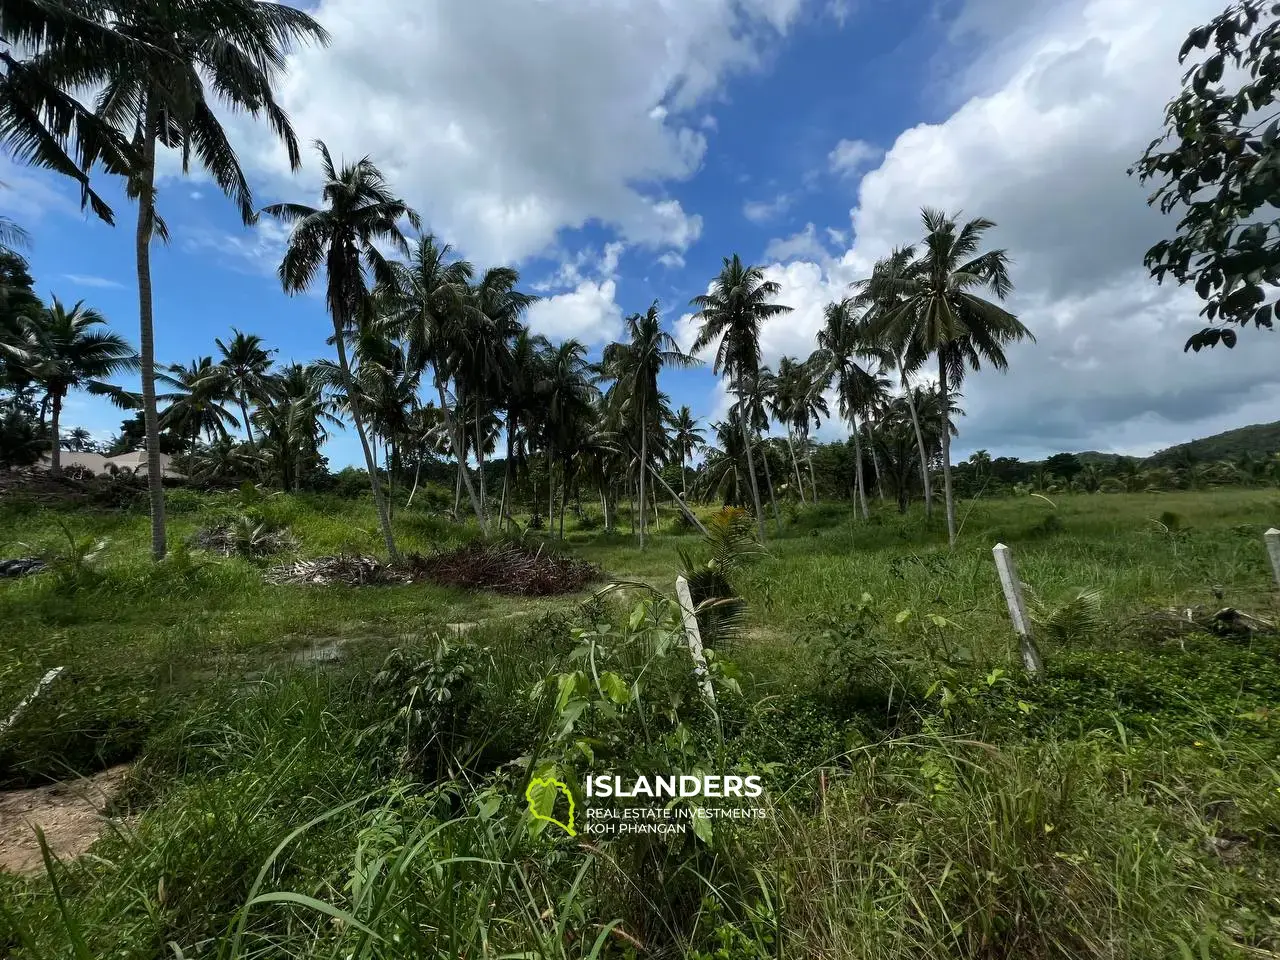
pixel 71 813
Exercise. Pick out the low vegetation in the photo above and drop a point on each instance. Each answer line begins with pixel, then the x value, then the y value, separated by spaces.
pixel 335 771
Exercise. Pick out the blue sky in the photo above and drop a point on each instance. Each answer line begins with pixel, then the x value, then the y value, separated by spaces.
pixel 616 150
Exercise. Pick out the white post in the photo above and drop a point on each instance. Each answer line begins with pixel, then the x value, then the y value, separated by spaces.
pixel 1273 548
pixel 1031 659
pixel 695 639
pixel 47 679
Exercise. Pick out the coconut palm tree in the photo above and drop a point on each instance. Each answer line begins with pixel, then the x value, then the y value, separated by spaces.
pixel 197 402
pixel 526 368
pixel 567 395
pixel 160 94
pixel 47 52
pixel 341 238
pixel 78 440
pixel 782 396
pixel 482 361
pixel 248 365
pixel 854 359
pixel 634 366
pixel 686 437
pixel 940 313
pixel 738 305
pixel 881 294
pixel 430 297
pixel 62 350
pixel 292 420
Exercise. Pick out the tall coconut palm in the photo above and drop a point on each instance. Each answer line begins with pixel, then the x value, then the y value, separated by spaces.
pixel 341 237
pixel 197 401
pixel 62 350
pixel 48 51
pixel 810 406
pixel 940 314
pixel 292 421
pixel 733 312
pixel 160 94
pixel 526 361
pixel 686 437
pixel 248 365
pixel 854 360
pixel 431 293
pixel 79 440
pixel 881 294
pixel 482 356
pixel 568 395
pixel 634 365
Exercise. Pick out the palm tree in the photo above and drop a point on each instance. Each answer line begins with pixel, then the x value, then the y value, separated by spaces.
pixel 733 313
pixel 431 296
pixel 46 50
pixel 78 440
pixel 342 237
pixel 157 95
pixel 686 437
pixel 247 364
pixel 810 406
pixel 940 313
pixel 782 395
pixel 197 402
pixel 634 366
pixel 483 363
pixel 292 421
pixel 882 294
pixel 526 360
pixel 567 395
pixel 848 346
pixel 61 350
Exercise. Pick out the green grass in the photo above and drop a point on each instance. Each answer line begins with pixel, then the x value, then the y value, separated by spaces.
pixel 927 800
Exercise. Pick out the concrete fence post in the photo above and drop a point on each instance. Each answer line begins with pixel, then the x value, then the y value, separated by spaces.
pixel 1273 548
pixel 1012 586
pixel 694 638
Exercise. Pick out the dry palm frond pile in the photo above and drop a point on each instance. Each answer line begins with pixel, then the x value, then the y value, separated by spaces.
pixel 355 571
pixel 243 537
pixel 524 569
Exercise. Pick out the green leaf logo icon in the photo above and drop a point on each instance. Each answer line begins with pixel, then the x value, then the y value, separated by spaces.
pixel 541 795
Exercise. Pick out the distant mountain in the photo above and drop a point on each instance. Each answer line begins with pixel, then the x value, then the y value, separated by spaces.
pixel 1260 439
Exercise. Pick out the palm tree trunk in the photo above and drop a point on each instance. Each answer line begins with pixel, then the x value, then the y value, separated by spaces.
pixel 146 333
pixel 457 490
pixel 353 402
pixel 55 452
pixel 244 412
pixel 875 461
pixel 684 507
pixel 808 455
pixel 751 462
pixel 924 454
pixel 389 452
pixel 857 468
pixel 417 472
pixel 644 465
pixel 505 510
pixel 484 506
pixel 946 453
pixel 459 451
pixel 791 445
pixel 768 480
pixel 684 474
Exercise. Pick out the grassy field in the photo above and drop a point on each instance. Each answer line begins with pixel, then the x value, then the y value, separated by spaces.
pixel 926 799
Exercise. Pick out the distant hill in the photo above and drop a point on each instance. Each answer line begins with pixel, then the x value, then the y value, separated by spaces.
pixel 1260 439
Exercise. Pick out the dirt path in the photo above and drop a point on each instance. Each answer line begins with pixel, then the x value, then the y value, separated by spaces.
pixel 69 813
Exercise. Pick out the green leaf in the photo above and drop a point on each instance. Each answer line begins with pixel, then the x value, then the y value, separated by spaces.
pixel 702 827
pixel 614 687
pixel 902 617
